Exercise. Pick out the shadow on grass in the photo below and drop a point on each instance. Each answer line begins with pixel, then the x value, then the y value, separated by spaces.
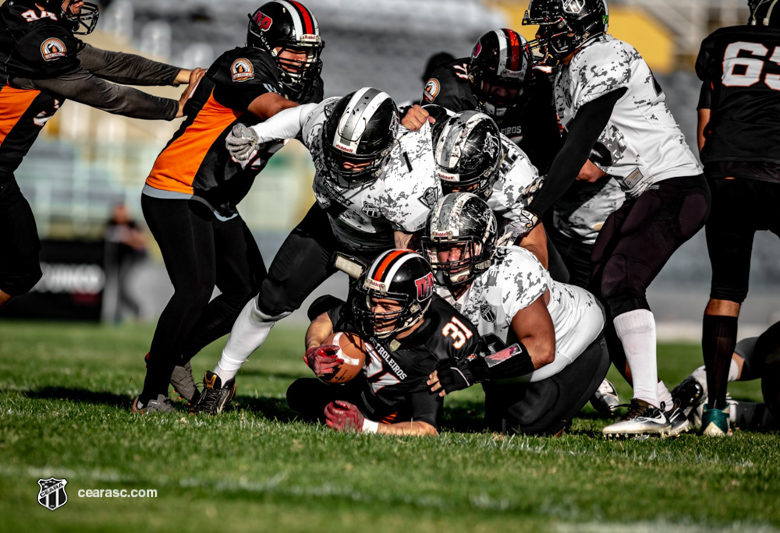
pixel 80 396
pixel 270 408
pixel 260 373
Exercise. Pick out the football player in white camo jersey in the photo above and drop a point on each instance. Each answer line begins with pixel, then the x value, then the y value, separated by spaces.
pixel 608 100
pixel 374 185
pixel 521 313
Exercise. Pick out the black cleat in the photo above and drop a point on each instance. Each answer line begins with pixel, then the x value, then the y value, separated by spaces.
pixel 214 397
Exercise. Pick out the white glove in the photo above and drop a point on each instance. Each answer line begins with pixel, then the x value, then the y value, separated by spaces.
pixel 242 142
pixel 517 229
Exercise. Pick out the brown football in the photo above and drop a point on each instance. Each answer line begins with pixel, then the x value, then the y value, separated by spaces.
pixel 352 350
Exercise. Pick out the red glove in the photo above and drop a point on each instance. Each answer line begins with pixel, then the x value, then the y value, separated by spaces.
pixel 323 360
pixel 343 416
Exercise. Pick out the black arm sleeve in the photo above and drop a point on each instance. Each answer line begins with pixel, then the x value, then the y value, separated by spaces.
pixel 705 97
pixel 583 133
pixel 129 69
pixel 83 87
pixel 425 406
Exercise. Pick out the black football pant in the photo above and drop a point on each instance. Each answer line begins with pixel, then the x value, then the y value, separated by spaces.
pixel 200 252
pixel 639 238
pixel 20 269
pixel 304 261
pixel 740 208
pixel 548 406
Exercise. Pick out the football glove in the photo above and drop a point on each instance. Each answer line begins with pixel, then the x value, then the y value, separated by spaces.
pixel 242 142
pixel 517 229
pixel 323 360
pixel 344 416
pixel 454 376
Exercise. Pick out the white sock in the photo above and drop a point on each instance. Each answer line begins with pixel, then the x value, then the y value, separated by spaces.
pixel 733 370
pixel 636 330
pixel 248 334
pixel 664 396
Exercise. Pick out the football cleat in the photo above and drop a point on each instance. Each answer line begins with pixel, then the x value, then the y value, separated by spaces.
pixel 691 395
pixel 183 382
pixel 716 422
pixel 642 419
pixel 214 397
pixel 678 422
pixel 605 400
pixel 162 404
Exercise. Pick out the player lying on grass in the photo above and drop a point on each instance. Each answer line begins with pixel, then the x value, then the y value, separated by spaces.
pixel 550 332
pixel 753 358
pixel 410 330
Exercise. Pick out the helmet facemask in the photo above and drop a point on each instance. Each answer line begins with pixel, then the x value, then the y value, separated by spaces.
pixel 565 26
pixel 455 272
pixel 86 21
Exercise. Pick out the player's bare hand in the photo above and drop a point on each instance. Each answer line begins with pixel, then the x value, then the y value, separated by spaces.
pixel 590 173
pixel 435 384
pixel 416 118
pixel 194 78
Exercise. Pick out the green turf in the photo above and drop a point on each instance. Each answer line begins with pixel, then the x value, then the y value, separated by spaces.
pixel 66 390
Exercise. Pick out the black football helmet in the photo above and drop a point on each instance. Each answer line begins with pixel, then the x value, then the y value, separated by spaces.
pixel 402 276
pixel 762 13
pixel 468 151
pixel 82 24
pixel 460 223
pixel 359 135
pixel 565 25
pixel 288 25
pixel 501 59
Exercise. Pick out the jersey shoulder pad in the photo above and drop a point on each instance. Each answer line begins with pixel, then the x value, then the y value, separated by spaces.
pixel 520 276
pixel 449 86
pixel 246 66
pixel 46 51
pixel 602 67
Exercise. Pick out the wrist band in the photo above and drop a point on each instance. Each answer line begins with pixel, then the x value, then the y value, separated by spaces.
pixel 369 426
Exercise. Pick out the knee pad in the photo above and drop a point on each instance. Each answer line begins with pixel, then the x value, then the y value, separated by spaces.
pixel 273 301
pixel 259 314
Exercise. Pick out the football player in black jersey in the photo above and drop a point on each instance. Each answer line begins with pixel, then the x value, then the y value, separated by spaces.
pixel 739 113
pixel 499 80
pixel 408 331
pixel 43 63
pixel 191 194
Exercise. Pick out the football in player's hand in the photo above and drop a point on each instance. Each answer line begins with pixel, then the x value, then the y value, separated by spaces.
pixel 352 351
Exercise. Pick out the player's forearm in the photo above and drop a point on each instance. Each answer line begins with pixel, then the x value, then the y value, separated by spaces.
pixel 83 87
pixel 284 123
pixel 131 69
pixel 320 329
pixel 583 133
pixel 411 428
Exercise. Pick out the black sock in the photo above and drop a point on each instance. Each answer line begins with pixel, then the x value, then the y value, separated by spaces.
pixel 718 339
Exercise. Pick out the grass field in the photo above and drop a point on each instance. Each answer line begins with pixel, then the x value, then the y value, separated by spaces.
pixel 65 395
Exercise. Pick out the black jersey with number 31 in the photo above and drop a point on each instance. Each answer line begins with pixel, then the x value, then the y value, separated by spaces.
pixel 396 373
pixel 740 68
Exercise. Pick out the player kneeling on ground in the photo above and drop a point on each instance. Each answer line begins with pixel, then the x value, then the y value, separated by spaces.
pixel 546 335
pixel 408 331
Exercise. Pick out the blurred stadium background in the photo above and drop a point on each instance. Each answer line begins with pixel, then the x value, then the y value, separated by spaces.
pixel 87 161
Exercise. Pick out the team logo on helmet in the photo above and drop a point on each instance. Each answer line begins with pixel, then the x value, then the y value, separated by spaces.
pixel 425 286
pixel 242 70
pixel 263 21
pixel 477 50
pixel 432 89
pixel 52 493
pixel 52 49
